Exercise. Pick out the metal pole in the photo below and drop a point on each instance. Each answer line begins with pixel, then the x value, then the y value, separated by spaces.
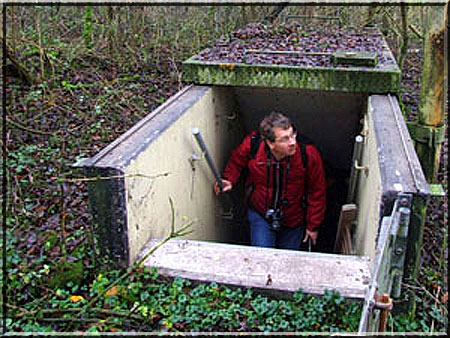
pixel 209 160
pixel 354 173
pixel 196 132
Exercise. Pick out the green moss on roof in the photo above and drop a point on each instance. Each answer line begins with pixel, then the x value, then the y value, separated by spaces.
pixel 352 79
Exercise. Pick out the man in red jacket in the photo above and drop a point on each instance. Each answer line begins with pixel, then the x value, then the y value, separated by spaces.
pixel 282 204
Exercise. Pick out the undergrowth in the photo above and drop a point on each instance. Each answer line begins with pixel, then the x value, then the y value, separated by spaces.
pixel 84 97
pixel 147 301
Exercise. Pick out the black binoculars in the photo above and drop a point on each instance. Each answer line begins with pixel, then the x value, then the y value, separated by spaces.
pixel 273 217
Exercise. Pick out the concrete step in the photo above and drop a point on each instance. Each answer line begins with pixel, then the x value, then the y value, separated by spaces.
pixel 261 268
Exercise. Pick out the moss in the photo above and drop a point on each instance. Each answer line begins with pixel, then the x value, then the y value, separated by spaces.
pixel 316 78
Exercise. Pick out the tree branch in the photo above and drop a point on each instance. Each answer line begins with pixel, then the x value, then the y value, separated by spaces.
pixel 428 293
pixel 395 28
pixel 89 179
pixel 416 31
pixel 18 125
pixel 62 311
pixel 26 76
pixel 275 13
pixel 173 234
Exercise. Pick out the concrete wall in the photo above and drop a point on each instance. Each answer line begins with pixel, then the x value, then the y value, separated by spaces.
pixel 156 159
pixel 369 192
pixel 188 184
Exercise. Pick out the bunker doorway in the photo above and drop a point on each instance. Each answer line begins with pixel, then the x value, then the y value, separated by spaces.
pixel 158 159
pixel 330 119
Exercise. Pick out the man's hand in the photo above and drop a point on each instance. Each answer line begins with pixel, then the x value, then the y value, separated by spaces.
pixel 311 234
pixel 227 186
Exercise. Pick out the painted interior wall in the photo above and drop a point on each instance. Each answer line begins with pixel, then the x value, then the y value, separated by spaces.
pixel 188 183
pixel 369 192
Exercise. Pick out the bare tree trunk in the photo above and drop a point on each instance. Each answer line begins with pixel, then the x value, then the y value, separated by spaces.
pixel 371 10
pixel 275 13
pixel 87 28
pixel 37 17
pixel 308 10
pixel 110 36
pixel 14 30
pixel 16 67
pixel 428 131
pixel 432 93
pixel 253 14
pixel 244 16
pixel 404 33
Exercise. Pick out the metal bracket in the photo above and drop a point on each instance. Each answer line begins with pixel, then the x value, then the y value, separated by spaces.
pixel 194 158
pixel 399 241
pixel 430 135
pixel 362 168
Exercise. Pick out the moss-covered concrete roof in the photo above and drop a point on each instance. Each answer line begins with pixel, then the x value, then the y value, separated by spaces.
pixel 301 57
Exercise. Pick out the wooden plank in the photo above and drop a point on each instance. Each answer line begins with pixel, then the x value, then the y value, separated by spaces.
pixel 343 243
pixel 279 270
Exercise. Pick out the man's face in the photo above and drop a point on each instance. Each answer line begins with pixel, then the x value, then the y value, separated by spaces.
pixel 284 144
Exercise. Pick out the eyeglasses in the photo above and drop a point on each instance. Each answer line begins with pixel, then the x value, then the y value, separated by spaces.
pixel 286 139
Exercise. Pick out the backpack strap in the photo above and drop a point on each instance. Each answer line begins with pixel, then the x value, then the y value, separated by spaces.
pixel 304 155
pixel 255 141
pixel 304 199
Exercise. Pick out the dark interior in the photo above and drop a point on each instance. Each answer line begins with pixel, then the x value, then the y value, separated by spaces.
pixel 330 119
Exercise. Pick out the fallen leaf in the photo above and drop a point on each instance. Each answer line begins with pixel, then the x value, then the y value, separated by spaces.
pixel 41 208
pixel 113 291
pixel 76 298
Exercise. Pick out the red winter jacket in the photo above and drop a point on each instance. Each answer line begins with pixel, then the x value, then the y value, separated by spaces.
pixel 262 165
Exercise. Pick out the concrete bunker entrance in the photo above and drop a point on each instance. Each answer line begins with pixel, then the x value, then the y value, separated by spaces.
pixel 159 159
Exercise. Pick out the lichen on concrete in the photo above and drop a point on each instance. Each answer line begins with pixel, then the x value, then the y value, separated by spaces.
pixel 357 79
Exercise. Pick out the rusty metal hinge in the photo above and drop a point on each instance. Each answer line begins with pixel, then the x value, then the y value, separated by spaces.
pixel 385 304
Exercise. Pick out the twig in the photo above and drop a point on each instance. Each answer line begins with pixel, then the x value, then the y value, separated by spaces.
pixel 427 292
pixel 173 234
pixel 36 116
pixel 394 26
pixel 18 125
pixel 416 31
pixel 62 205
pixel 71 319
pixel 14 307
pixel 19 189
pixel 87 179
pixel 59 311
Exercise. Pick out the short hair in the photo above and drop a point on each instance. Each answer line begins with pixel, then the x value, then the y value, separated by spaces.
pixel 274 119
